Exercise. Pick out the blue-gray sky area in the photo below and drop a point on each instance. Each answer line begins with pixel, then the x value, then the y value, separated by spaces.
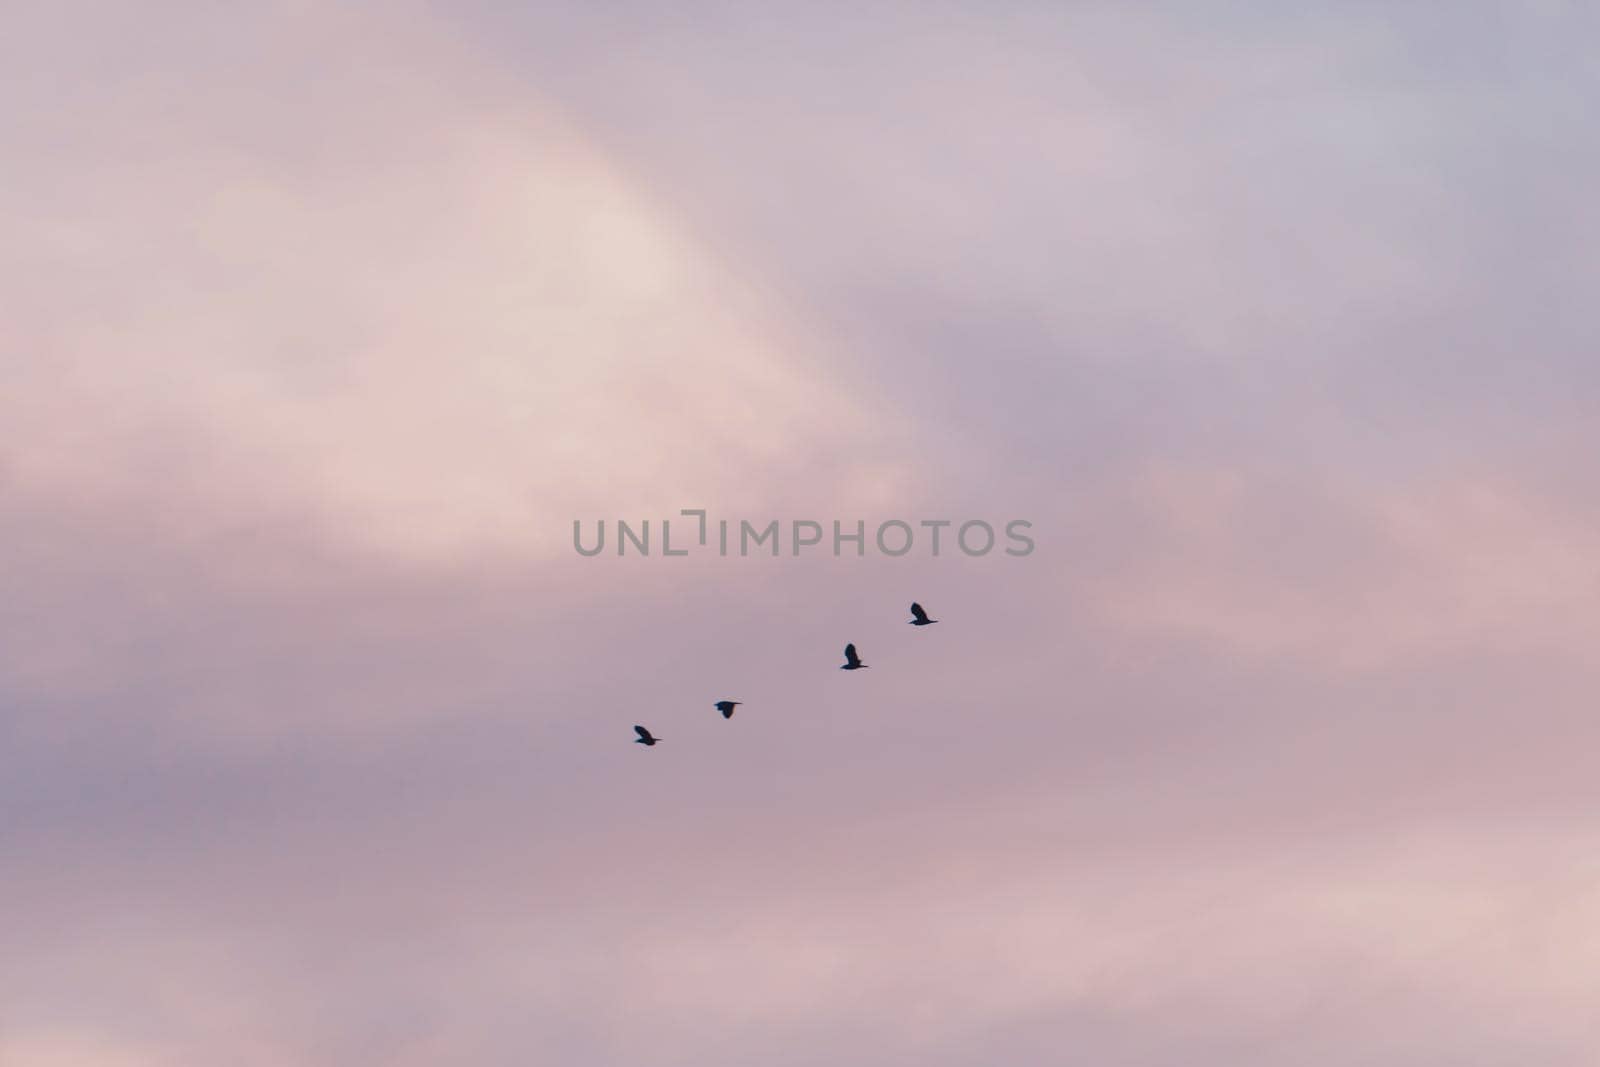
pixel 323 322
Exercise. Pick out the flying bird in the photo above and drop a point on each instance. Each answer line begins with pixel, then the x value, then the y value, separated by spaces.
pixel 852 662
pixel 645 736
pixel 920 617
pixel 727 706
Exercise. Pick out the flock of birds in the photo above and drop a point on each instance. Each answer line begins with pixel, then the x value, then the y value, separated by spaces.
pixel 852 662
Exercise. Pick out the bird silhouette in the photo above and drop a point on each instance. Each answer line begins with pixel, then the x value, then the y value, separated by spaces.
pixel 727 706
pixel 645 736
pixel 852 662
pixel 920 617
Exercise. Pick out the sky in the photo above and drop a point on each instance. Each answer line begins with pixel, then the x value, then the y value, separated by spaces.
pixel 323 322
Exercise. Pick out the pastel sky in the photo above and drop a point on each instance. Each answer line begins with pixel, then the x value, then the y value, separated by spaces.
pixel 321 322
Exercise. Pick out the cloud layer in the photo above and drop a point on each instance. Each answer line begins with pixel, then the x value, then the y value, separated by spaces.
pixel 324 325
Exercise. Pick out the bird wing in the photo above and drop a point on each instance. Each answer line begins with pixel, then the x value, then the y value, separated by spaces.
pixel 850 654
pixel 918 614
pixel 644 735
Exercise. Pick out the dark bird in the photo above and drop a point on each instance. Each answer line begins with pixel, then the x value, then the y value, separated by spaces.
pixel 920 617
pixel 727 706
pixel 852 662
pixel 645 736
